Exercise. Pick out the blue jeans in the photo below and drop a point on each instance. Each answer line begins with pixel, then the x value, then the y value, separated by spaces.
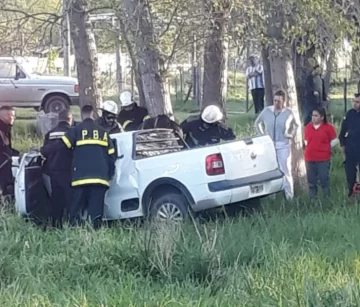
pixel 318 172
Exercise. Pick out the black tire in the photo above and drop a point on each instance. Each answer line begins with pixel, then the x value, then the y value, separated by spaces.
pixel 174 204
pixel 56 104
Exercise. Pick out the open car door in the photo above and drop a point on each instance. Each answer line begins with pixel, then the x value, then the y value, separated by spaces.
pixel 31 195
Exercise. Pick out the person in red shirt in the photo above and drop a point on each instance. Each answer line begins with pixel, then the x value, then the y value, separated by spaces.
pixel 320 138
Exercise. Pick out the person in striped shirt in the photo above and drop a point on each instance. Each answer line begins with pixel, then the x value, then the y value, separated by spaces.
pixel 254 75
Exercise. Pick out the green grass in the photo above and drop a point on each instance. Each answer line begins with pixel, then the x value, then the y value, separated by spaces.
pixel 292 254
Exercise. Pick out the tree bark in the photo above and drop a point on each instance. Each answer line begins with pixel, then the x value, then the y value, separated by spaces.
pixel 139 85
pixel 150 63
pixel 329 69
pixel 282 77
pixel 134 64
pixel 195 73
pixel 66 39
pixel 119 70
pixel 303 67
pixel 85 55
pixel 267 76
pixel 216 57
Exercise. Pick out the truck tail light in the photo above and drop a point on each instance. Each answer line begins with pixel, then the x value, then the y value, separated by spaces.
pixel 76 88
pixel 214 165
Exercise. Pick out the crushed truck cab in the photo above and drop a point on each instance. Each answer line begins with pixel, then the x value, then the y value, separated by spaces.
pixel 158 176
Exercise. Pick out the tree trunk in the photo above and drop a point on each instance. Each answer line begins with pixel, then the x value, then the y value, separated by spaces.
pixel 329 69
pixel 267 76
pixel 119 70
pixel 355 63
pixel 216 57
pixel 195 73
pixel 155 87
pixel 134 64
pixel 66 39
pixel 282 77
pixel 139 85
pixel 303 67
pixel 85 55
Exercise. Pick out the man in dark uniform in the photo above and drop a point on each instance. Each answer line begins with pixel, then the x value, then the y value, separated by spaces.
pixel 131 115
pixel 7 118
pixel 108 118
pixel 350 143
pixel 58 167
pixel 207 129
pixel 93 167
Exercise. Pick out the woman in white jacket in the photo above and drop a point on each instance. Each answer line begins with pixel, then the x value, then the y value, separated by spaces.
pixel 279 123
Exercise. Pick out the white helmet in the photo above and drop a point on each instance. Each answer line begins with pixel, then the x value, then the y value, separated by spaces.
pixel 126 99
pixel 110 106
pixel 212 114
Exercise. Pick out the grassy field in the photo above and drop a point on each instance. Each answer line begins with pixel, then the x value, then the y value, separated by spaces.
pixel 291 254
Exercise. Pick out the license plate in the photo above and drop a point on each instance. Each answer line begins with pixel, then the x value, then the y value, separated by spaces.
pixel 256 188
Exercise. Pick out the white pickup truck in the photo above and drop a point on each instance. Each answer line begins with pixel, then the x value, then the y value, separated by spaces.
pixel 157 176
pixel 22 89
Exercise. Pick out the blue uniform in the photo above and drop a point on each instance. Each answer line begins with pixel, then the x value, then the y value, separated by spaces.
pixel 198 133
pixel 93 167
pixel 58 167
pixel 350 139
pixel 130 120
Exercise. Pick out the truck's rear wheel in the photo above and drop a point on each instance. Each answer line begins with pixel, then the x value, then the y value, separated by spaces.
pixel 56 104
pixel 169 207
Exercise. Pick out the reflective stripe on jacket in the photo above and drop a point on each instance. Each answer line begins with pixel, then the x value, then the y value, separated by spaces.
pixel 94 154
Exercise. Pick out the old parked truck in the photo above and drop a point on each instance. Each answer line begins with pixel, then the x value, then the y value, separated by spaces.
pixel 21 89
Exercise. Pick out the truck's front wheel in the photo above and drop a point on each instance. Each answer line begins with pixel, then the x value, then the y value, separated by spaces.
pixel 169 207
pixel 55 104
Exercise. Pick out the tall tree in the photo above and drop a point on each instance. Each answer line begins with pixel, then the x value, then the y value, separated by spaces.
pixel 85 54
pixel 150 62
pixel 216 53
pixel 134 63
pixel 282 77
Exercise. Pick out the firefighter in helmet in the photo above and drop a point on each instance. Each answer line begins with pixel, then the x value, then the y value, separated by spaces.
pixel 131 115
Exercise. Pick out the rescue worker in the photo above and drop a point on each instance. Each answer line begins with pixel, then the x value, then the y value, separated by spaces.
pixel 58 167
pixel 350 143
pixel 93 167
pixel 280 124
pixel 207 129
pixel 108 118
pixel 131 115
pixel 7 118
pixel 162 121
